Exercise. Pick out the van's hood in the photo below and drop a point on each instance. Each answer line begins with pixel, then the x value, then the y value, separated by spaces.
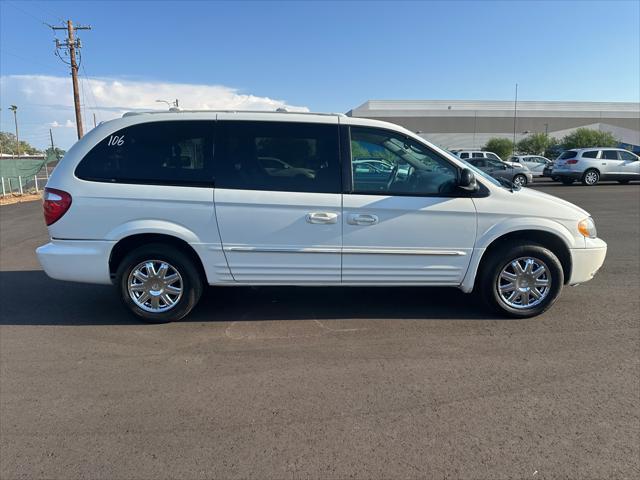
pixel 550 201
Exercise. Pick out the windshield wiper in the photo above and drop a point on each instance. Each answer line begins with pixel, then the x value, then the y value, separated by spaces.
pixel 507 183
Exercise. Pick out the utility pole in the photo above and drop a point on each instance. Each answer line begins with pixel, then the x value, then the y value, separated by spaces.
pixel 53 148
pixel 70 45
pixel 14 109
pixel 515 115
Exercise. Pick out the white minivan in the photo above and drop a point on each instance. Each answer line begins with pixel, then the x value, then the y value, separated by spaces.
pixel 161 204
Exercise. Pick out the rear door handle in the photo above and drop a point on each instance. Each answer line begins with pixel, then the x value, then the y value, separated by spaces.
pixel 364 219
pixel 322 217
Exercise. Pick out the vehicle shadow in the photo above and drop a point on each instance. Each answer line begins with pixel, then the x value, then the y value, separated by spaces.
pixel 32 298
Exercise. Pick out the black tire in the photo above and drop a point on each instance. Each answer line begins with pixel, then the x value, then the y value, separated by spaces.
pixel 522 180
pixel 590 177
pixel 498 259
pixel 624 182
pixel 191 282
pixel 567 181
pixel 555 179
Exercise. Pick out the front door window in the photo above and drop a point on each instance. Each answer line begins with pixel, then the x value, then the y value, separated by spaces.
pixel 388 162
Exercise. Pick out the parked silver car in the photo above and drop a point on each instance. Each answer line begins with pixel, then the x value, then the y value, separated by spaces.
pixel 519 176
pixel 590 165
pixel 535 163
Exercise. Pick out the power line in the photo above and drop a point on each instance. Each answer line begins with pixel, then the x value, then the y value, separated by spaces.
pixel 88 81
pixel 95 102
pixel 49 66
pixel 39 20
pixel 47 11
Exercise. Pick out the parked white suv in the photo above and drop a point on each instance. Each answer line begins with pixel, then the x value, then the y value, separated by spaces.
pixel 162 204
pixel 590 165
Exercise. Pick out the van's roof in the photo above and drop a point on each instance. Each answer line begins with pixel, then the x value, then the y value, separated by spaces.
pixel 277 112
pixel 131 118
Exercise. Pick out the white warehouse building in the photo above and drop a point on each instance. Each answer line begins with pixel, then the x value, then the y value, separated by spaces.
pixel 468 124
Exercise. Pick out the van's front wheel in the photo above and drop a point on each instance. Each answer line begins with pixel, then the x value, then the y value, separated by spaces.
pixel 158 283
pixel 522 282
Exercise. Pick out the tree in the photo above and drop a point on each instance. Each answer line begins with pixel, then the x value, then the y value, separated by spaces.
pixel 503 147
pixel 54 153
pixel 536 144
pixel 587 137
pixel 8 145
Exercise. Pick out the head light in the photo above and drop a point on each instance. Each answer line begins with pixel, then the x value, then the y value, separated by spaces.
pixel 587 228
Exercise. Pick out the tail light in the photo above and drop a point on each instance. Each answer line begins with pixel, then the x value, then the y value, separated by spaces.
pixel 572 161
pixel 55 204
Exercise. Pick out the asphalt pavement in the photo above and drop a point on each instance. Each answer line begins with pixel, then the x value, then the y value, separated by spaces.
pixel 322 382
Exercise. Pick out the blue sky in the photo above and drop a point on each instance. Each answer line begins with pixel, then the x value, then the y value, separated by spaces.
pixel 325 56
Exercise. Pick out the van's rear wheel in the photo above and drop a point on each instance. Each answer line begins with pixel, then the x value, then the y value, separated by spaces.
pixel 158 283
pixel 522 282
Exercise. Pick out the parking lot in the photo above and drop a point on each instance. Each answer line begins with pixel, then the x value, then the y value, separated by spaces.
pixel 322 382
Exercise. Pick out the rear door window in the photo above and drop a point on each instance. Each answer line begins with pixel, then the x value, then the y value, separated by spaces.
pixel 609 154
pixel 628 156
pixel 464 155
pixel 277 156
pixel 165 153
pixel 591 154
pixel 478 155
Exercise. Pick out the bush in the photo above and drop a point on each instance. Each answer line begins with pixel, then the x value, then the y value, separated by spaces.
pixel 503 147
pixel 536 144
pixel 587 137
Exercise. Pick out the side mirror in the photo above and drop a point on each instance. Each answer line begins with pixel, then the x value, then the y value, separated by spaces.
pixel 467 180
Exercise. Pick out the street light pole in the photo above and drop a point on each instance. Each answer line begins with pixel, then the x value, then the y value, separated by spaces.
pixel 14 109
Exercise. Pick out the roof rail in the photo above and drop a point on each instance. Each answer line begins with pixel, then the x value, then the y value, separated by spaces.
pixel 277 112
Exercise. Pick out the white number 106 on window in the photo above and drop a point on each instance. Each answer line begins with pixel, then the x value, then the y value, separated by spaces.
pixel 116 140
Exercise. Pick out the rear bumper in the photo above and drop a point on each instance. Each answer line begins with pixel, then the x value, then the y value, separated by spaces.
pixel 587 261
pixel 76 260
pixel 567 174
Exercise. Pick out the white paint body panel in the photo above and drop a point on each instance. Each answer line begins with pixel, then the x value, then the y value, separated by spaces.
pixel 268 240
pixel 265 237
pixel 415 240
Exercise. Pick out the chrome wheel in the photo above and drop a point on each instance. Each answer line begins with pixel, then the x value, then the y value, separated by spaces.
pixel 591 177
pixel 520 181
pixel 155 286
pixel 524 283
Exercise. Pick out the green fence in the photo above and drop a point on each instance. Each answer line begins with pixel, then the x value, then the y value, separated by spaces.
pixel 20 174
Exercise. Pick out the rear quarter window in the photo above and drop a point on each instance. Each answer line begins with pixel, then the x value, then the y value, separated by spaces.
pixel 567 154
pixel 164 153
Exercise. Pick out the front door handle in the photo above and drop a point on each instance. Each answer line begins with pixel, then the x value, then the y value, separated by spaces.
pixel 322 217
pixel 364 219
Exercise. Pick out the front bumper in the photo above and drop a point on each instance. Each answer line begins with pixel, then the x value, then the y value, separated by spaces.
pixel 76 260
pixel 587 261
